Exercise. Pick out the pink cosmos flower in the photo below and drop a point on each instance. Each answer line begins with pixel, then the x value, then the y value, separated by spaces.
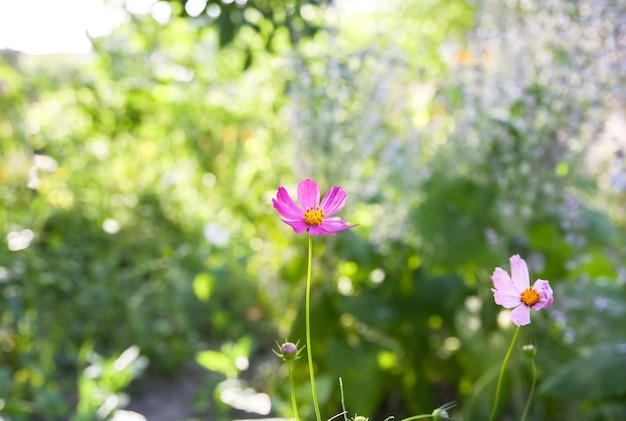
pixel 515 291
pixel 312 215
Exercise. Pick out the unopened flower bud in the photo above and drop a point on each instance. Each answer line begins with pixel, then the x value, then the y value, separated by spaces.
pixel 440 414
pixel 360 418
pixel 529 350
pixel 289 350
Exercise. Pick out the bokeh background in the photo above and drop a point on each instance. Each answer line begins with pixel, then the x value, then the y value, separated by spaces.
pixel 141 255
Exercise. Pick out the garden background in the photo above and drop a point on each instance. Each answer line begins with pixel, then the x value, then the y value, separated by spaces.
pixel 140 242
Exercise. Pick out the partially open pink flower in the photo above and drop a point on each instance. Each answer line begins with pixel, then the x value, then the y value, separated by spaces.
pixel 515 291
pixel 312 215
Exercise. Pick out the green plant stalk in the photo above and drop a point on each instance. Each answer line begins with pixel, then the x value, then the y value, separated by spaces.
pixel 504 363
pixel 343 402
pixel 308 330
pixel 532 389
pixel 293 391
pixel 421 417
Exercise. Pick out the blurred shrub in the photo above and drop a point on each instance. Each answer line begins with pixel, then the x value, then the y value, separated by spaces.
pixel 450 168
pixel 102 380
pixel 269 19
pixel 121 187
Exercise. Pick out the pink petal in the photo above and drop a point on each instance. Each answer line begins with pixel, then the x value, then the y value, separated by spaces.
pixel 506 300
pixel 308 194
pixel 545 294
pixel 319 230
pixel 336 224
pixel 502 282
pixel 519 272
pixel 286 206
pixel 298 226
pixel 330 226
pixel 333 201
pixel 521 315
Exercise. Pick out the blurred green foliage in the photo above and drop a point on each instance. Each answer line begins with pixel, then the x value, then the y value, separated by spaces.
pixel 269 18
pixel 102 380
pixel 136 189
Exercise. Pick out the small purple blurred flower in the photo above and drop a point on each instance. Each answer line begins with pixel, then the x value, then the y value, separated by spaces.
pixel 515 292
pixel 312 215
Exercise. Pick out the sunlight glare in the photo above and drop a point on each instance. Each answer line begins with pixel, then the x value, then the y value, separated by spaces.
pixel 62 26
pixel 111 226
pixel 246 399
pixel 139 7
pixel 213 10
pixel 20 240
pixel 195 7
pixel 162 12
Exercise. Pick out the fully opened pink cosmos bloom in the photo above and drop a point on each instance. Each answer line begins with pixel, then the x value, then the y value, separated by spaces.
pixel 515 291
pixel 312 215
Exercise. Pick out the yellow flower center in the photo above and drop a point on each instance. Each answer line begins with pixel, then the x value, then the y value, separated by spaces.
pixel 314 216
pixel 530 297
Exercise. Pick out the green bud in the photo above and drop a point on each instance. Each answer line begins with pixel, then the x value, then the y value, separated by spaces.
pixel 440 414
pixel 529 350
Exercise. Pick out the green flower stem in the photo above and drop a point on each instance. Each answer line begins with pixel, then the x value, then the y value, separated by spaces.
pixel 308 330
pixel 420 417
pixel 532 389
pixel 293 391
pixel 343 402
pixel 504 363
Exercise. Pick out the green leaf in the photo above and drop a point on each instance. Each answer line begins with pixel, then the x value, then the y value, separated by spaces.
pixel 203 286
pixel 218 362
pixel 597 375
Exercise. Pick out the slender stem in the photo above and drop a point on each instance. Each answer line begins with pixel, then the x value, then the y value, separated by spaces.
pixel 308 329
pixel 343 403
pixel 421 417
pixel 532 389
pixel 293 391
pixel 504 363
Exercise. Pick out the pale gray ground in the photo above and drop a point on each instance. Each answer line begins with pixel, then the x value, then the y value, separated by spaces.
pixel 169 399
